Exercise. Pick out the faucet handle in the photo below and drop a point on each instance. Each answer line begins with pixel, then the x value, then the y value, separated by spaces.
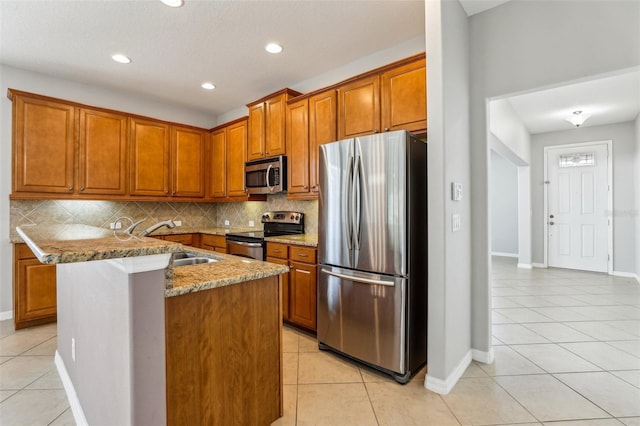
pixel 131 227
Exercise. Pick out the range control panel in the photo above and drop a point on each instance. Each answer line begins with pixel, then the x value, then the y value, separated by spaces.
pixel 283 217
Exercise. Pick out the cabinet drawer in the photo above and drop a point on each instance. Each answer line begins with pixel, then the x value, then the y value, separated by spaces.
pixel 302 254
pixel 277 250
pixel 24 252
pixel 219 241
pixel 186 239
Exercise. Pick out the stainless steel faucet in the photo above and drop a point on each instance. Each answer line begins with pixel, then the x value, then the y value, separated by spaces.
pixel 131 227
pixel 168 223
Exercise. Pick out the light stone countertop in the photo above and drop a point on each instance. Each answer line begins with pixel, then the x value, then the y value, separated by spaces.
pixel 80 243
pixel 309 240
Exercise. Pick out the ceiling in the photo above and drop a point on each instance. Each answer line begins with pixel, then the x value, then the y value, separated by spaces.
pixel 613 99
pixel 175 50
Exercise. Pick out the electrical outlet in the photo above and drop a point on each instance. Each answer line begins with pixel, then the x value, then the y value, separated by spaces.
pixel 456 191
pixel 456 222
pixel 115 225
pixel 252 223
pixel 178 222
pixel 226 223
pixel 73 349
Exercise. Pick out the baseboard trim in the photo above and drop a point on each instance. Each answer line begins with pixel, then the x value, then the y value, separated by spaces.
pixel 443 387
pixel 626 275
pixel 485 357
pixel 72 396
pixel 525 266
pixel 502 254
pixel 538 265
pixel 6 315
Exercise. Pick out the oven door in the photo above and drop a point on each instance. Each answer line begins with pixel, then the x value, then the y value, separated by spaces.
pixel 246 249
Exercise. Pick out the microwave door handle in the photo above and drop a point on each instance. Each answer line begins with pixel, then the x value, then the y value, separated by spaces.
pixel 268 172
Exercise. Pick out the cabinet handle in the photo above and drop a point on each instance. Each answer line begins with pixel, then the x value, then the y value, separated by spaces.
pixel 277 251
pixel 302 255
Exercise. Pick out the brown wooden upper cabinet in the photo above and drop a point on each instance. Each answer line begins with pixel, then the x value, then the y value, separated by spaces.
pixel 267 125
pixel 187 162
pixel 103 153
pixel 391 98
pixel 311 122
pixel 359 108
pixel 44 134
pixel 404 97
pixel 149 158
pixel 227 156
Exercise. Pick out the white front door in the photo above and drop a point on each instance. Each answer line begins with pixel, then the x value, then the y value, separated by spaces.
pixel 578 207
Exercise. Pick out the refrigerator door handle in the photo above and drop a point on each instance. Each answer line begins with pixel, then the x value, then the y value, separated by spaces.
pixel 357 205
pixel 358 279
pixel 347 212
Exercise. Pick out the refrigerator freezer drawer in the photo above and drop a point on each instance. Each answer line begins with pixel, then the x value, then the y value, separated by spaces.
pixel 363 315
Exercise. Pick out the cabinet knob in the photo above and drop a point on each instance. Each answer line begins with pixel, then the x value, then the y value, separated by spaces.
pixel 166 192
pixel 173 193
pixel 82 188
pixel 70 188
pixel 386 129
pixel 306 187
pixel 376 131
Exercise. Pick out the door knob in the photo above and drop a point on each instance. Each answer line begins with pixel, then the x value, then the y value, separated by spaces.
pixel 551 223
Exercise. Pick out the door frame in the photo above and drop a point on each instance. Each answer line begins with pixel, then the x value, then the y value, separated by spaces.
pixel 609 144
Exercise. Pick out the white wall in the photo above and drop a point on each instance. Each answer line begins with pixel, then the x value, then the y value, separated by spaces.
pixel 504 206
pixel 64 89
pixel 359 66
pixel 505 124
pixel 624 194
pixel 449 319
pixel 526 45
pixel 637 192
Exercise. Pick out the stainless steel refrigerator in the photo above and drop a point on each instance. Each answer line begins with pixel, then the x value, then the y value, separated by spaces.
pixel 372 245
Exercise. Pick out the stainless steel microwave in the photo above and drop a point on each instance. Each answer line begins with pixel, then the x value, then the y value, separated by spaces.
pixel 266 176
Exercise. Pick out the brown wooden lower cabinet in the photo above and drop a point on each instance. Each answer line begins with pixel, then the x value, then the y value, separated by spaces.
pixel 213 242
pixel 223 354
pixel 299 286
pixel 34 289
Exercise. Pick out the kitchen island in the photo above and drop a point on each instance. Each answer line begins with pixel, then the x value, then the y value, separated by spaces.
pixel 143 342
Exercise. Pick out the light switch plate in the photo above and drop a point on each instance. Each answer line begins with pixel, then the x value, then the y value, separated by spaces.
pixel 456 191
pixel 456 222
pixel 226 223
pixel 252 223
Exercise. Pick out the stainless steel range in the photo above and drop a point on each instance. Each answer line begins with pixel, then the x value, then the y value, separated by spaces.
pixel 252 244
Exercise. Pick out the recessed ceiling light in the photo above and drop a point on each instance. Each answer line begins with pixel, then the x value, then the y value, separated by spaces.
pixel 173 3
pixel 208 86
pixel 123 59
pixel 273 48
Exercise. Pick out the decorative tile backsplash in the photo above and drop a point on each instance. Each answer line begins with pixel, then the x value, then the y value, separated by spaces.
pixel 239 214
pixel 102 213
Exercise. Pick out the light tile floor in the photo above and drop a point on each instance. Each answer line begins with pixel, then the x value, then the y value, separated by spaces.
pixel 567 352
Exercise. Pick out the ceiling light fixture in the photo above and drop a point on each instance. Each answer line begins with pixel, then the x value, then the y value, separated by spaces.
pixel 273 48
pixel 208 86
pixel 578 118
pixel 173 3
pixel 123 59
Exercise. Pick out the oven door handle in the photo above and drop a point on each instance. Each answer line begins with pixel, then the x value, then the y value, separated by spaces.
pixel 240 243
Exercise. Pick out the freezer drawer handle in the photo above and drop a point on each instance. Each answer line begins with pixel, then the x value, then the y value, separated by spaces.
pixel 358 279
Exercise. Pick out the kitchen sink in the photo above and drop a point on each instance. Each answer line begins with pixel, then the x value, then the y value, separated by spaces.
pixel 189 258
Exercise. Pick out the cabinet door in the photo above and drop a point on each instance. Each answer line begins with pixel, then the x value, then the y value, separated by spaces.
pixel 34 289
pixel 103 153
pixel 149 158
pixel 322 129
pixel 298 146
pixel 359 108
pixel 284 280
pixel 236 157
pixel 218 164
pixel 43 146
pixel 255 142
pixel 275 111
pixel 187 157
pixel 404 97
pixel 302 293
